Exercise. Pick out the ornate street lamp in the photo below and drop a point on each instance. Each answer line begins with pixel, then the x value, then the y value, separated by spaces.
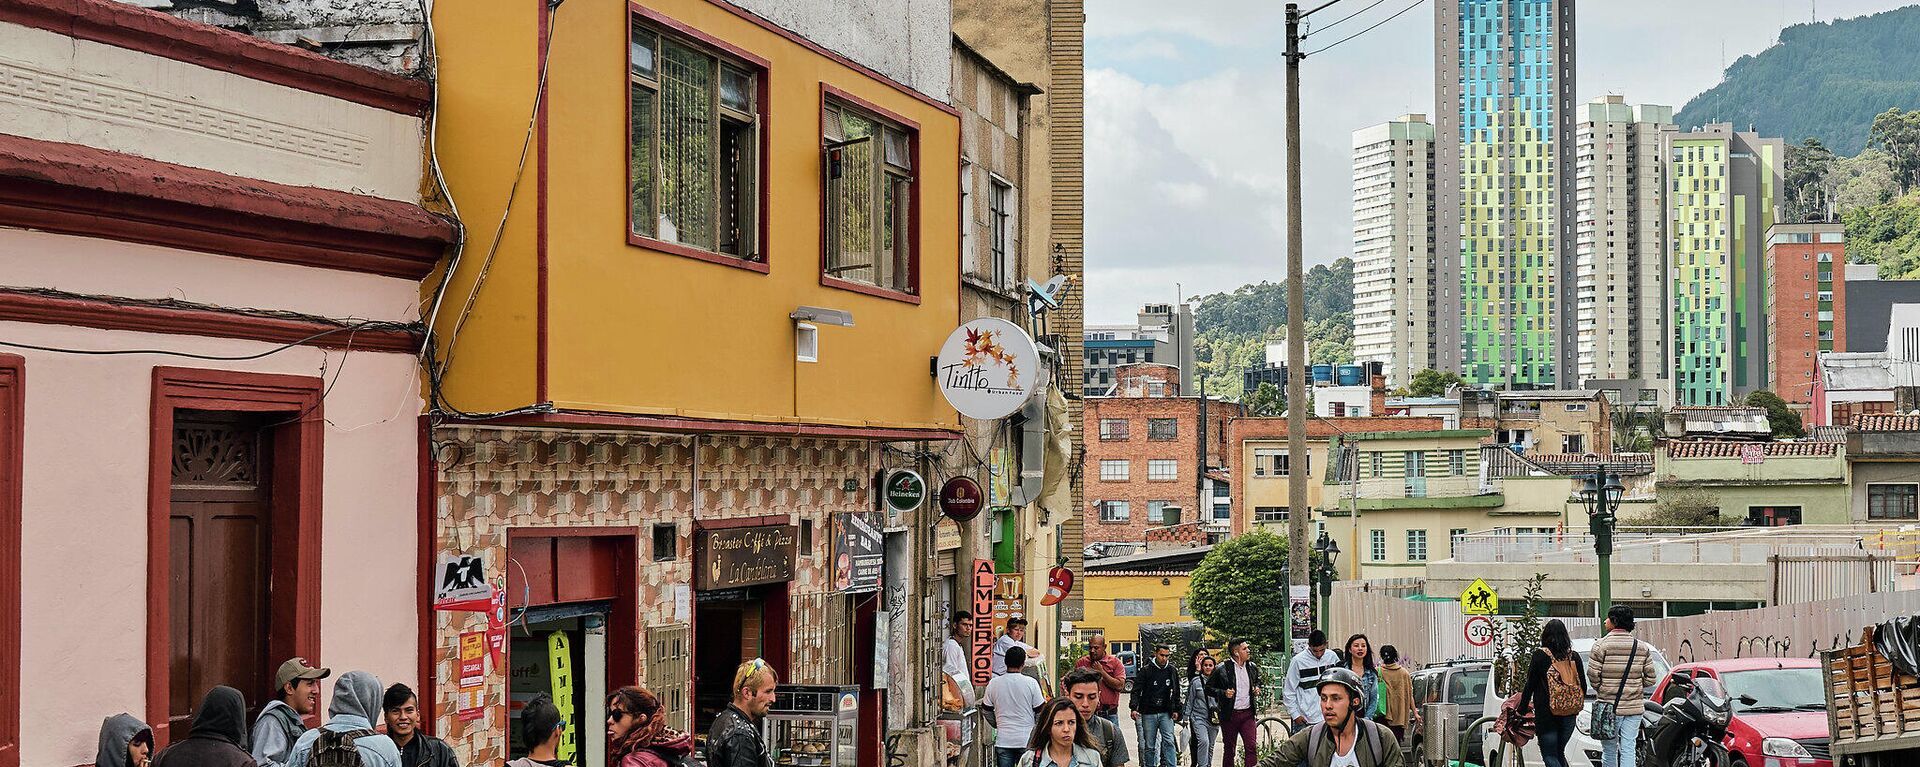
pixel 1329 551
pixel 1600 494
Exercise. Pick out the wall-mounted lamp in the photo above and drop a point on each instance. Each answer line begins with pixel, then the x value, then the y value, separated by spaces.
pixel 806 329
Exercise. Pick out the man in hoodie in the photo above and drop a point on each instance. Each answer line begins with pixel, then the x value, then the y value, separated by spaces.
pixel 125 741
pixel 417 749
pixel 1303 680
pixel 218 737
pixel 296 695
pixel 1156 704
pixel 356 701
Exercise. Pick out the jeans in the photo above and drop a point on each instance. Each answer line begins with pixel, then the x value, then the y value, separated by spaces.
pixel 1202 746
pixel 1157 738
pixel 1554 731
pixel 1624 750
pixel 1242 724
pixel 1007 757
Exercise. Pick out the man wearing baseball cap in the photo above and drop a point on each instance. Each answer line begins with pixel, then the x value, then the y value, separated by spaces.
pixel 1345 738
pixel 284 719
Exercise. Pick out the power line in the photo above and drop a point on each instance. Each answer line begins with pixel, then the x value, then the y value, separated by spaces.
pixel 1396 14
pixel 1369 7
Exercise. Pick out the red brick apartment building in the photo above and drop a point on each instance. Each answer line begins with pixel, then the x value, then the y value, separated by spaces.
pixel 1143 455
pixel 1806 303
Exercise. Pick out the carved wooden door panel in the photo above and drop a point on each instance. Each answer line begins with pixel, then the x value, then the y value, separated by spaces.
pixel 219 521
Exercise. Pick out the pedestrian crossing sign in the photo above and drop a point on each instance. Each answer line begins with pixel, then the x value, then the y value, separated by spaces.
pixel 1479 599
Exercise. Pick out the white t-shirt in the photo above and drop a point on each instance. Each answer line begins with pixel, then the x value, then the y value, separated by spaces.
pixel 1347 759
pixel 955 666
pixel 1013 698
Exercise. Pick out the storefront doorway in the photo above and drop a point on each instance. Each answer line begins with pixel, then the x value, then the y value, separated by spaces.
pixel 729 628
pixel 572 632
pixel 742 572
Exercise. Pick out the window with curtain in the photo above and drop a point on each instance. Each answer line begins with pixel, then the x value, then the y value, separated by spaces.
pixel 869 178
pixel 694 139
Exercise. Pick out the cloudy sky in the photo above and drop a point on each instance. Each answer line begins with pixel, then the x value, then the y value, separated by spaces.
pixel 1186 165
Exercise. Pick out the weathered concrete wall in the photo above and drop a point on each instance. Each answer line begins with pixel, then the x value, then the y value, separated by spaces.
pixel 56 88
pixel 908 40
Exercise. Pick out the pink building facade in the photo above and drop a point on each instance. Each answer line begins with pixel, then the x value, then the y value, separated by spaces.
pixel 211 450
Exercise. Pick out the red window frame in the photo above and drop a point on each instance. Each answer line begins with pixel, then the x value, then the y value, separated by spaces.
pixel 13 402
pixel 763 74
pixel 912 128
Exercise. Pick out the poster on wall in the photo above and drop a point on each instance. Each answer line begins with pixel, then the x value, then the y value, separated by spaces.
pixel 983 633
pixel 1301 610
pixel 1009 600
pixel 859 552
pixel 471 699
pixel 461 583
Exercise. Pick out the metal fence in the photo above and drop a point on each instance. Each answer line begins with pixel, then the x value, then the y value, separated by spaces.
pixel 1798 630
pixel 1423 631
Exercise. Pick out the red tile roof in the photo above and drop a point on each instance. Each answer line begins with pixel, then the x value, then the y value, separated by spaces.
pixel 1712 449
pixel 1885 422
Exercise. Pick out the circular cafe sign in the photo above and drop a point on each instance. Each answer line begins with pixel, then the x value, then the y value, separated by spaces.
pixel 904 490
pixel 960 498
pixel 988 368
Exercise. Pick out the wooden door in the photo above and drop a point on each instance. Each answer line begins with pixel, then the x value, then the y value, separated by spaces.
pixel 218 531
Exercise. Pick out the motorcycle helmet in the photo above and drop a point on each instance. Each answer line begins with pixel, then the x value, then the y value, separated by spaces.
pixel 1341 676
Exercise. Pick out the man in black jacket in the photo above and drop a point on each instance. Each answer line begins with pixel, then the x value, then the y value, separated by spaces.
pixel 1156 705
pixel 417 749
pixel 734 740
pixel 1235 684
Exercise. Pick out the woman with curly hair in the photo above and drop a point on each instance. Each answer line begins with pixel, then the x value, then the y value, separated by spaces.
pixel 637 732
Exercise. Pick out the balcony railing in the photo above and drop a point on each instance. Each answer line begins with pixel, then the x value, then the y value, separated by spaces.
pixel 1666 545
pixel 1419 487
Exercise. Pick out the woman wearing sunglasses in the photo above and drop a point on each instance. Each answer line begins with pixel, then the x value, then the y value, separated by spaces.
pixel 637 734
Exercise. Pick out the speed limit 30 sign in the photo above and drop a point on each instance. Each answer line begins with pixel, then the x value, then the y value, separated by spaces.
pixel 1479 631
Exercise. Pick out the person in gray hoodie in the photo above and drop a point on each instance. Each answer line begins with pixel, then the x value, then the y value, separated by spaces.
pixel 125 741
pixel 350 717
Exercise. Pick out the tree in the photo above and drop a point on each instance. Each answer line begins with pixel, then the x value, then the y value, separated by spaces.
pixel 1514 654
pixel 1687 507
pixel 1432 383
pixel 1266 401
pixel 1239 590
pixel 1784 421
pixel 1809 181
pixel 1897 133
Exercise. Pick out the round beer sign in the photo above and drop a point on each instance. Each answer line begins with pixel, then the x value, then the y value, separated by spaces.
pixel 960 498
pixel 988 368
pixel 904 490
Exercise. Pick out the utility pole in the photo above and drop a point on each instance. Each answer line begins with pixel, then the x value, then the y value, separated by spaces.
pixel 1202 506
pixel 1297 511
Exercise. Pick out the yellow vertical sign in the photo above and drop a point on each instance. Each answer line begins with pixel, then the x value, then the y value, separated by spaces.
pixel 560 672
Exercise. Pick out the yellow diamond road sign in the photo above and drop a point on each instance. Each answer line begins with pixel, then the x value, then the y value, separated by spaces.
pixel 1479 599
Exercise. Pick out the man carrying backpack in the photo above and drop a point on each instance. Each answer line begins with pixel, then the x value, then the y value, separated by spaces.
pixel 348 739
pixel 296 693
pixel 1344 737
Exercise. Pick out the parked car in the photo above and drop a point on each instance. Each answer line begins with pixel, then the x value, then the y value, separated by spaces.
pixel 1466 682
pixel 1786 722
pixel 1582 749
pixel 1129 659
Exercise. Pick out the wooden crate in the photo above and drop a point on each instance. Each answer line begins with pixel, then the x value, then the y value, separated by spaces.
pixel 1870 707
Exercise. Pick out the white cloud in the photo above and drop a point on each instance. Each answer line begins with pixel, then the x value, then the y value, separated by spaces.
pixel 1185 153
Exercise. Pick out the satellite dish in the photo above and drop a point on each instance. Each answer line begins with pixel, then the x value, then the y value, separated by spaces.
pixel 1044 298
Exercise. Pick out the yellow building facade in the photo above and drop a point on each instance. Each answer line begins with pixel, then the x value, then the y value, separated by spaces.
pixel 1119 602
pixel 677 203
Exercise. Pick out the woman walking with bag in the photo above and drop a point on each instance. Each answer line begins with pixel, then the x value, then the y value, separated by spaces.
pixel 1201 711
pixel 1556 690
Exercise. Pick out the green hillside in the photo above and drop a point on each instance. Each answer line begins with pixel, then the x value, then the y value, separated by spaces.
pixel 1823 80
pixel 1233 327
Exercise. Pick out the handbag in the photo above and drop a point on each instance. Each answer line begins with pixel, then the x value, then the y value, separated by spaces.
pixel 1605 724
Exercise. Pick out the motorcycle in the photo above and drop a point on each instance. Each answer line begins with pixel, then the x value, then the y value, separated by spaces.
pixel 1691 730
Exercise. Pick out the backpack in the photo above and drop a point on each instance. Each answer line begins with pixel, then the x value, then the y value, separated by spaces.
pixel 1370 735
pixel 290 723
pixel 337 749
pixel 1564 698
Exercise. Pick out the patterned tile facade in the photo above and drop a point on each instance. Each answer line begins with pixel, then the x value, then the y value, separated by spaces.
pixel 490 480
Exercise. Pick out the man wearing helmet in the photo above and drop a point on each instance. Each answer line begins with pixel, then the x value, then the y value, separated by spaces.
pixel 1346 738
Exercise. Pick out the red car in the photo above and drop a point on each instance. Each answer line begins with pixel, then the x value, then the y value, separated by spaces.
pixel 1785 726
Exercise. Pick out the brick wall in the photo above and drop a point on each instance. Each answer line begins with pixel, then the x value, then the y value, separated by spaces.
pixel 1138 450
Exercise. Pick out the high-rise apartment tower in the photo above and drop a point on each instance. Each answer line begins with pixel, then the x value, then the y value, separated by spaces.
pixel 1393 266
pixel 1620 211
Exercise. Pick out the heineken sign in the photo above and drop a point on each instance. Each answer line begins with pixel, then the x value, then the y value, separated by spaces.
pixel 903 490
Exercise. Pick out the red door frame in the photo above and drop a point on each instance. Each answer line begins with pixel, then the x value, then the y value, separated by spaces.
pixel 13 415
pixel 297 480
pixel 623 624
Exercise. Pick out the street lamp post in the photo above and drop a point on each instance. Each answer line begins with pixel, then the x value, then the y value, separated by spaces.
pixel 1600 494
pixel 1329 551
